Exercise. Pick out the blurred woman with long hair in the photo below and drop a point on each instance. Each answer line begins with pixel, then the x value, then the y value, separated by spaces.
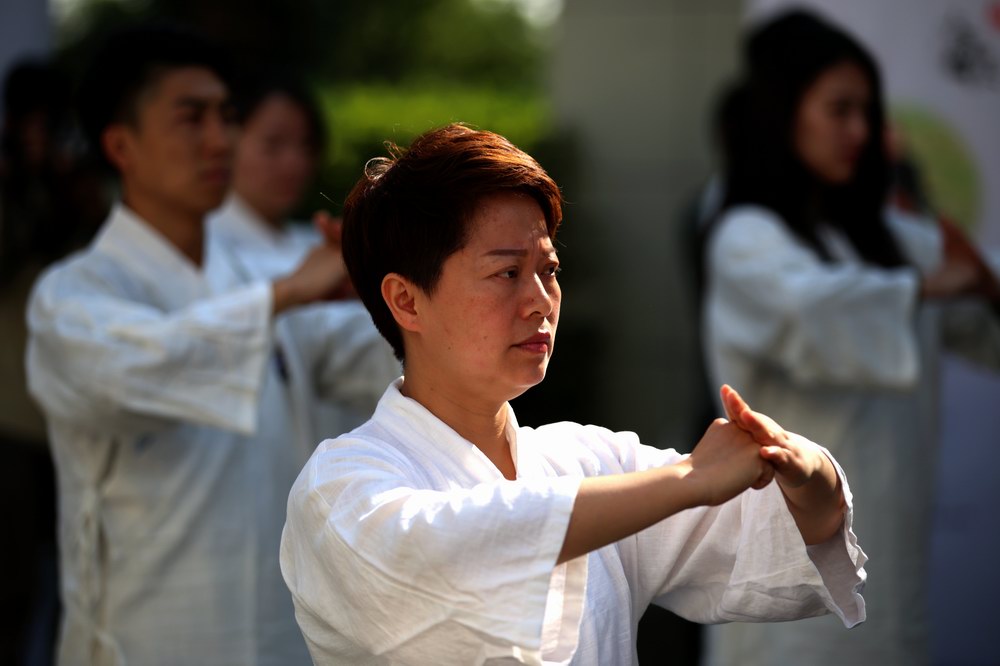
pixel 828 310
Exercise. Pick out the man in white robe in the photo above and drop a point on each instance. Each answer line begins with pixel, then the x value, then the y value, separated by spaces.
pixel 168 402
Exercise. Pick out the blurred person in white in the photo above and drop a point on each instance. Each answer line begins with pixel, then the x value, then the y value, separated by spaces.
pixel 154 361
pixel 281 142
pixel 441 532
pixel 828 308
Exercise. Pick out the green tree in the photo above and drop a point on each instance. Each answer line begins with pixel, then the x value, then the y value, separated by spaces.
pixel 388 41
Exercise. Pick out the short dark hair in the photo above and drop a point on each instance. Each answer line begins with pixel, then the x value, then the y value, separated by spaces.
pixel 253 90
pixel 409 212
pixel 128 63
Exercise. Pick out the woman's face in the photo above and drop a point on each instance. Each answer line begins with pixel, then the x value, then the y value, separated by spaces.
pixel 276 158
pixel 831 127
pixel 489 326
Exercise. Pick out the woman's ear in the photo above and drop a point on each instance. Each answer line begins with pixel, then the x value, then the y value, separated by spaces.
pixel 400 296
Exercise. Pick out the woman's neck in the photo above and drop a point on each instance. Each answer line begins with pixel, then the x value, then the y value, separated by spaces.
pixel 274 220
pixel 480 421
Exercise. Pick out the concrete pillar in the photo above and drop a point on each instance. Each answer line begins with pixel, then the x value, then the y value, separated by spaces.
pixel 634 82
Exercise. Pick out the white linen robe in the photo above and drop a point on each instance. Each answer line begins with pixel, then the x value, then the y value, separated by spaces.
pixel 172 433
pixel 405 545
pixel 260 252
pixel 843 352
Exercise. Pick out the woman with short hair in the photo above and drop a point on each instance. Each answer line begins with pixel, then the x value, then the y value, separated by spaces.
pixel 441 532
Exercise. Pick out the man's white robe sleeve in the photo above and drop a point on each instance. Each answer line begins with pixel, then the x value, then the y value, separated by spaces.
pixel 107 361
pixel 349 359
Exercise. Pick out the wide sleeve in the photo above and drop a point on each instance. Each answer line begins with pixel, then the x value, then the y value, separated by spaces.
pixel 96 358
pixel 742 561
pixel 746 561
pixel 378 565
pixel 350 361
pixel 771 298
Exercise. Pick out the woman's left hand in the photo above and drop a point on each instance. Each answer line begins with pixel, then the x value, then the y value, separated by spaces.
pixel 794 464
pixel 807 478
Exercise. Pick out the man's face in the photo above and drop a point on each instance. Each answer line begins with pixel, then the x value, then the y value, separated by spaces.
pixel 177 155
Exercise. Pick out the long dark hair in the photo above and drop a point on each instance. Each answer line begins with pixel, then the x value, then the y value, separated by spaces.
pixel 782 59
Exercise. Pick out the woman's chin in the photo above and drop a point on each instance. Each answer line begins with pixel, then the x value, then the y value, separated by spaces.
pixel 527 383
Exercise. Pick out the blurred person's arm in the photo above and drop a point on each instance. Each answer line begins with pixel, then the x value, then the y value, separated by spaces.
pixel 97 356
pixel 99 359
pixel 349 360
pixel 773 299
pixel 958 278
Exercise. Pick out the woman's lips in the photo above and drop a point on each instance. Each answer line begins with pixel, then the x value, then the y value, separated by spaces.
pixel 540 343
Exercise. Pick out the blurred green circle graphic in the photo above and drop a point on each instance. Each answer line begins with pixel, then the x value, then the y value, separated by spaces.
pixel 945 162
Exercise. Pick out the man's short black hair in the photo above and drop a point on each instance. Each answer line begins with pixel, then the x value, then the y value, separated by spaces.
pixel 128 63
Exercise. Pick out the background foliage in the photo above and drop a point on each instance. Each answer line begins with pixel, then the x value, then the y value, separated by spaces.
pixel 382 70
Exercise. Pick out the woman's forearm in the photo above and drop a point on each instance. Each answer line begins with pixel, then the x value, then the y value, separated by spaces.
pixel 610 508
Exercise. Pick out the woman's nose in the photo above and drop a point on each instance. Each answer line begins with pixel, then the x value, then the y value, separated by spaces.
pixel 539 299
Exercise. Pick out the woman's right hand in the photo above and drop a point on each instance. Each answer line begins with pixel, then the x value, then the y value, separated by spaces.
pixel 725 462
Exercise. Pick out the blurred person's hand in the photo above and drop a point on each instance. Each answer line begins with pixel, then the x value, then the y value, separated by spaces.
pixel 962 271
pixel 331 228
pixel 958 245
pixel 322 276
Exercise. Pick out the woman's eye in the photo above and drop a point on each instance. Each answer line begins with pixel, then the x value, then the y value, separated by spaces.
pixel 509 273
pixel 552 271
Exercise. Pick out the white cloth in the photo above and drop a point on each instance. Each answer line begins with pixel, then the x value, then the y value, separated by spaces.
pixel 170 426
pixel 843 352
pixel 277 251
pixel 405 545
pixel 259 251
